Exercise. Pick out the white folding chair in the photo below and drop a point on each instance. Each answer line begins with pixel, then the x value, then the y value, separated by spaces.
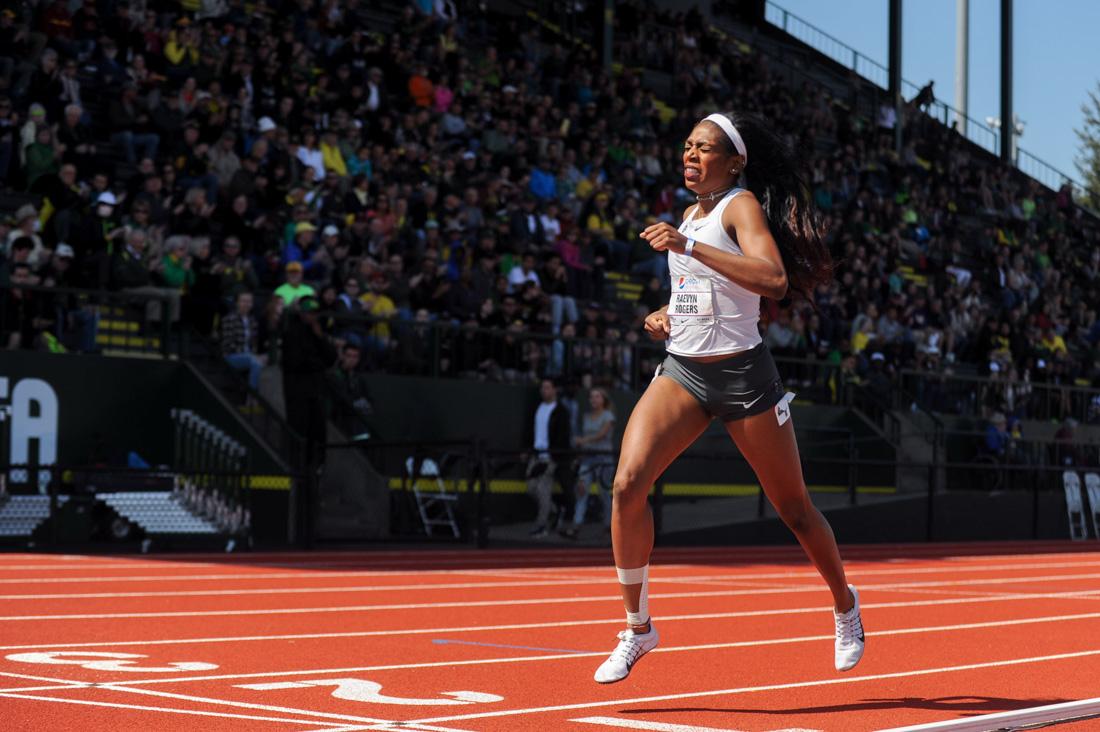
pixel 1092 487
pixel 434 503
pixel 1074 509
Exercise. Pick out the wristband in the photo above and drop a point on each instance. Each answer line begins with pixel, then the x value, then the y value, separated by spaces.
pixel 689 247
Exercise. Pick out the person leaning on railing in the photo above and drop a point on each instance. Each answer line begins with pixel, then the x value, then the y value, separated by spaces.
pixel 240 338
pixel 550 433
pixel 132 271
pixel 349 396
pixel 597 428
pixel 24 314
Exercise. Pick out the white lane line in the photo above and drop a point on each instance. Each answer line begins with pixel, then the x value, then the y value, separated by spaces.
pixel 1016 719
pixel 344 718
pixel 130 566
pixel 705 580
pixel 559 561
pixel 985 597
pixel 766 587
pixel 375 560
pixel 62 684
pixel 603 653
pixel 666 726
pixel 52 687
pixel 392 727
pixel 474 564
pixel 313 590
pixel 395 727
pixel 1079 595
pixel 656 572
pixel 307 576
pixel 29 677
pixel 642 724
pixel 536 601
pixel 168 710
pixel 771 585
pixel 358 573
pixel 768 687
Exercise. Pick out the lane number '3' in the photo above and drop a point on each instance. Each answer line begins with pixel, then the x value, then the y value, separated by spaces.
pixel 361 690
pixel 106 661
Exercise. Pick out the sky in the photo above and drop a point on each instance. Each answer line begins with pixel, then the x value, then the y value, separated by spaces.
pixel 1056 60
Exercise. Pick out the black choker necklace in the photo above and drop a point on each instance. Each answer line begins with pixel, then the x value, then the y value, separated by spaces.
pixel 714 194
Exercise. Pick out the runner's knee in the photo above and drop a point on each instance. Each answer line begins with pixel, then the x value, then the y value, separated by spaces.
pixel 629 487
pixel 796 513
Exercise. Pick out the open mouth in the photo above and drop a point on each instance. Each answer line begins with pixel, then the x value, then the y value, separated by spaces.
pixel 692 172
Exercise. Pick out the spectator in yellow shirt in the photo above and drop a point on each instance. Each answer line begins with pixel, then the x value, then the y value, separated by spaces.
pixel 378 304
pixel 182 49
pixel 863 337
pixel 331 157
pixel 600 219
pixel 1053 342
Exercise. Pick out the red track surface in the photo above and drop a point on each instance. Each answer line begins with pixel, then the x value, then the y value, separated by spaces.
pixel 342 641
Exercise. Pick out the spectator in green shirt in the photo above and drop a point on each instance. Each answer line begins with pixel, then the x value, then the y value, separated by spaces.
pixel 43 156
pixel 293 289
pixel 176 270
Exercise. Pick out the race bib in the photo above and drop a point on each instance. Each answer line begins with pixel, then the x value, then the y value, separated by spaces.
pixel 692 297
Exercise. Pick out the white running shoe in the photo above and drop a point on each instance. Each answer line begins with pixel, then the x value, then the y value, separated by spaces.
pixel 849 635
pixel 632 646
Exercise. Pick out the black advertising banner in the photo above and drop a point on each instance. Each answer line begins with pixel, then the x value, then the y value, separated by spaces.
pixel 75 410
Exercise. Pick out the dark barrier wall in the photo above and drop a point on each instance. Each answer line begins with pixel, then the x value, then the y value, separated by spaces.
pixel 438 410
pixel 431 410
pixel 73 410
pixel 956 516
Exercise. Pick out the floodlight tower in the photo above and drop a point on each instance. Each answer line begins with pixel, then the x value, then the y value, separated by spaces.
pixel 962 64
pixel 1007 130
pixel 895 70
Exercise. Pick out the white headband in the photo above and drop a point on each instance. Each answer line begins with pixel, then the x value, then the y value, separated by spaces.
pixel 731 132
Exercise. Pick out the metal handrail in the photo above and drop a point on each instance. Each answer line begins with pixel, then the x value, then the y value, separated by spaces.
pixel 1065 399
pixel 1054 178
pixel 152 328
pixel 868 68
pixel 980 134
pixel 168 347
pixel 1003 382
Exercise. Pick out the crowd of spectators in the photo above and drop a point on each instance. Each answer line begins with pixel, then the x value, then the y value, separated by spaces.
pixel 473 171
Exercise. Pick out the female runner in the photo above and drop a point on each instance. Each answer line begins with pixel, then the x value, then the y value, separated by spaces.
pixel 734 246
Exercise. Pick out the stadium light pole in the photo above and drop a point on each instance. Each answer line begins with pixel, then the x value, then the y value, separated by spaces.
pixel 962 64
pixel 1007 129
pixel 895 70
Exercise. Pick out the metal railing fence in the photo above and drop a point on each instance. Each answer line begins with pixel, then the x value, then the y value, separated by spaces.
pixel 981 134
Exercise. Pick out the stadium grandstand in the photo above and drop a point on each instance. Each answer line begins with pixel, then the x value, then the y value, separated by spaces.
pixel 322 211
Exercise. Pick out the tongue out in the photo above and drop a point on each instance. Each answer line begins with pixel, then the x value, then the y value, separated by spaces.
pixel 691 174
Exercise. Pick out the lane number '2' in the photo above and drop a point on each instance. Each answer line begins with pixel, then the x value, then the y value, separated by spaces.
pixel 361 690
pixel 106 661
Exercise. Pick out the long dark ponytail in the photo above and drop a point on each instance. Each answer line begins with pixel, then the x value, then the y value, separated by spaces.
pixel 774 175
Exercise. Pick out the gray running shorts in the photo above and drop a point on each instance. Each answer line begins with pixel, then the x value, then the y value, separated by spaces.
pixel 740 386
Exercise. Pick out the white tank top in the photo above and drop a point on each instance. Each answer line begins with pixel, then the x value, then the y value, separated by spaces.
pixel 709 314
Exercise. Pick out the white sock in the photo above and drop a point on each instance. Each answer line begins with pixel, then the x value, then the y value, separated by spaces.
pixel 639 575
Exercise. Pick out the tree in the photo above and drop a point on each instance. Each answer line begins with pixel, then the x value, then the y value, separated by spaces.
pixel 1088 156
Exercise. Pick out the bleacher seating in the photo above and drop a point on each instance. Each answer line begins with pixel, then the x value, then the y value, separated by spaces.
pixel 20 515
pixel 157 512
pixel 829 117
